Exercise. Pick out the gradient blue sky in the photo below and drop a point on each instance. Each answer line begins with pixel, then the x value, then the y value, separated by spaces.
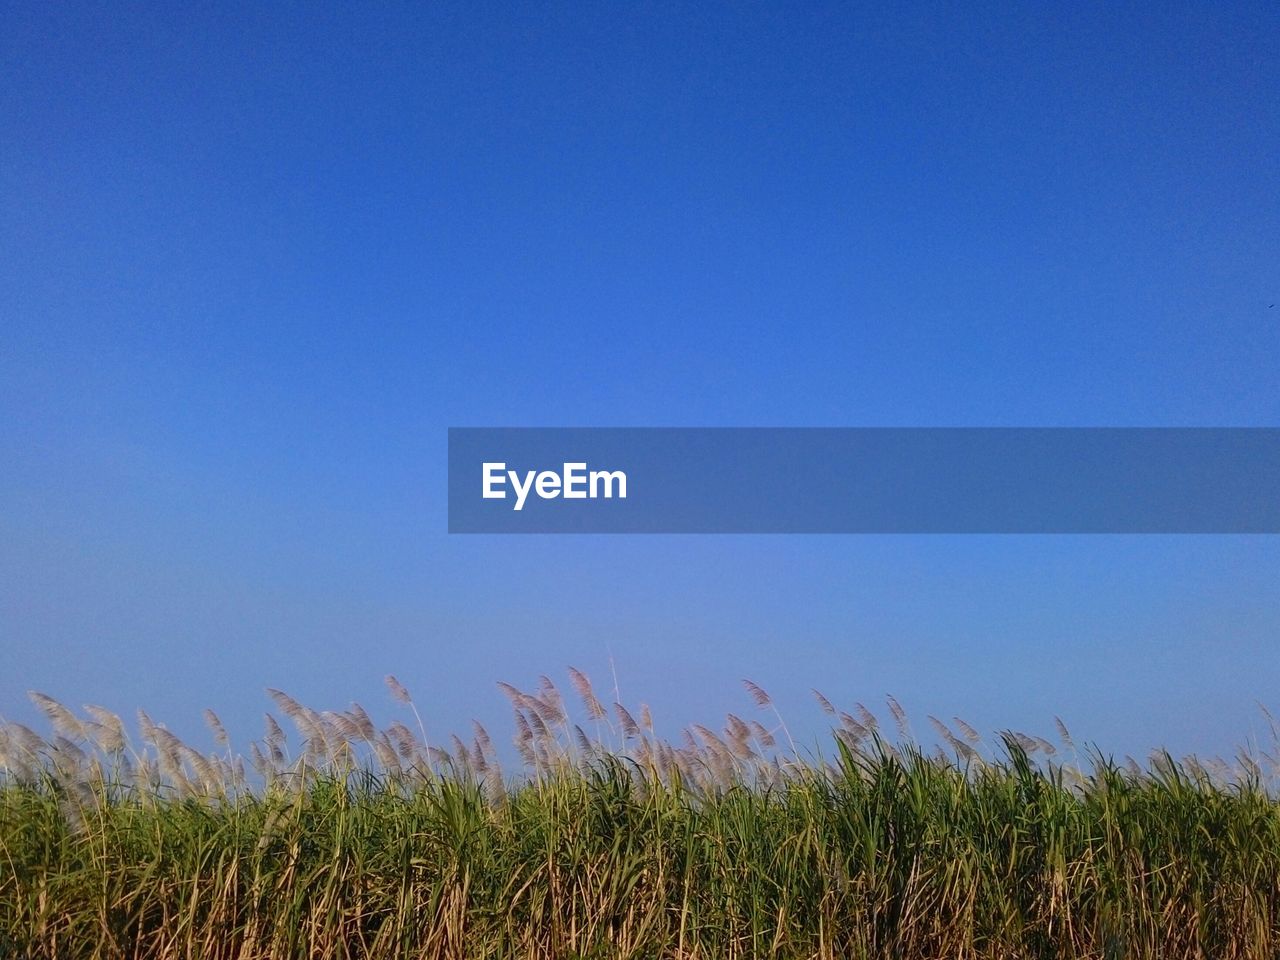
pixel 254 260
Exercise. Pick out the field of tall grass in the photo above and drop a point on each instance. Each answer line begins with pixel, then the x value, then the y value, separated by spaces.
pixel 600 839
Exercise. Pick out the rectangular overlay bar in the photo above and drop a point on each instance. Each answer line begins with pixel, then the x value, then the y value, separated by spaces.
pixel 864 480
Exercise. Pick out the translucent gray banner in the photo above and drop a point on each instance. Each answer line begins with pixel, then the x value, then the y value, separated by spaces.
pixel 864 480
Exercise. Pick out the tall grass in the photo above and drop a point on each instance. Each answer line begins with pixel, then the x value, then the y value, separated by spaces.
pixel 604 840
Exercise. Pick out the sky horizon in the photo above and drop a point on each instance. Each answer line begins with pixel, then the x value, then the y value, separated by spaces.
pixel 254 263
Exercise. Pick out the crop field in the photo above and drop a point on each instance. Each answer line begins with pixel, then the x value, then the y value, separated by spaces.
pixel 587 835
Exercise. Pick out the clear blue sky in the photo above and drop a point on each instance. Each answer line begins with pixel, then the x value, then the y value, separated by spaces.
pixel 255 260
